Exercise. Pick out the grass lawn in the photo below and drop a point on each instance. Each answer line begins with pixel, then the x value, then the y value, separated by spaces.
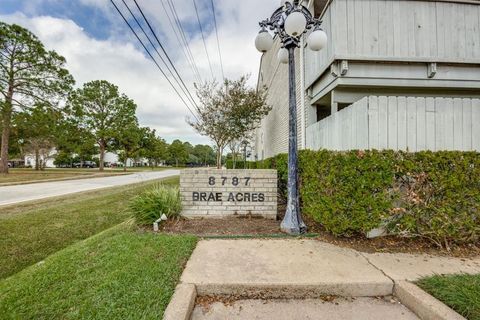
pixel 32 231
pixel 21 176
pixel 459 292
pixel 121 273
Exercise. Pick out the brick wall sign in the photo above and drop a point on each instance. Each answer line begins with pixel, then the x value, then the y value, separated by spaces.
pixel 221 193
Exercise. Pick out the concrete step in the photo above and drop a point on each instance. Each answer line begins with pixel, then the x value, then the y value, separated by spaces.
pixel 282 269
pixel 340 308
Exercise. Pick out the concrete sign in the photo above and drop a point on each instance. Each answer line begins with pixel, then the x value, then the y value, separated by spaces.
pixel 220 193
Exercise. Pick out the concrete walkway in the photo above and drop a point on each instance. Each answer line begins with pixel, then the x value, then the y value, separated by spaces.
pixel 303 268
pixel 27 192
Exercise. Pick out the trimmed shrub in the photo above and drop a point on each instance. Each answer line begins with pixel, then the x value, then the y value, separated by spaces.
pixel 240 164
pixel 434 195
pixel 151 204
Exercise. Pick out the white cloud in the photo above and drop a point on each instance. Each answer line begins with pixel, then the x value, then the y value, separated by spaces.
pixel 124 64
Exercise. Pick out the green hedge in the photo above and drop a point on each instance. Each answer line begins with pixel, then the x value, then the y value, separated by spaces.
pixel 434 195
pixel 240 164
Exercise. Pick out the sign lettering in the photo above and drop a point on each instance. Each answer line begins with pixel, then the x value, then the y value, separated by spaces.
pixel 212 192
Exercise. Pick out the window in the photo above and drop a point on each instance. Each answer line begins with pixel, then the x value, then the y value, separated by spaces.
pixel 323 112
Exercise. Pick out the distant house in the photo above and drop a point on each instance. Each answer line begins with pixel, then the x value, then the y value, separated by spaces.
pixel 46 159
pixel 111 159
pixel 396 74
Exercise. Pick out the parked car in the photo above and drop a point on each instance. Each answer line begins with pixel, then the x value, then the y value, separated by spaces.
pixel 64 166
pixel 85 164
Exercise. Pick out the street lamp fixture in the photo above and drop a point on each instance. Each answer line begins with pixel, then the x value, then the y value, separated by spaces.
pixel 289 23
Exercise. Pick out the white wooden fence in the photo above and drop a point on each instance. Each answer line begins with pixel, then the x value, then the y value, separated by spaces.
pixel 400 123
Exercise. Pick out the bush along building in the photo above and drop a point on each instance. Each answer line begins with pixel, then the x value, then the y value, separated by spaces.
pixel 396 74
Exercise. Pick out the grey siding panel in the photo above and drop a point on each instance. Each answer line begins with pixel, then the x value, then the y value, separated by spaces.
pixel 397 30
pixel 430 124
pixel 400 123
pixel 271 138
pixel 272 135
pixel 392 122
pixel 316 61
pixel 411 124
pixel 475 124
pixel 373 122
pixel 421 126
pixel 383 123
pixel 467 124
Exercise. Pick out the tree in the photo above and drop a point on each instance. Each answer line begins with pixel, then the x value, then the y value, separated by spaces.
pixel 205 154
pixel 74 143
pixel 130 141
pixel 28 73
pixel 15 144
pixel 178 152
pixel 234 146
pixel 154 149
pixel 188 147
pixel 38 129
pixel 103 112
pixel 228 113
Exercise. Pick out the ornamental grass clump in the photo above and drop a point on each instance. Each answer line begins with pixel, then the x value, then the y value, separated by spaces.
pixel 150 205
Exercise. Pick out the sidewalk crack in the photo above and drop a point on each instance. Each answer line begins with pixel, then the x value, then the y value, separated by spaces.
pixel 371 263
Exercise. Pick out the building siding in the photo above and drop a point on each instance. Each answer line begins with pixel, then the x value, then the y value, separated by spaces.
pixel 272 135
pixel 399 30
pixel 411 66
pixel 400 123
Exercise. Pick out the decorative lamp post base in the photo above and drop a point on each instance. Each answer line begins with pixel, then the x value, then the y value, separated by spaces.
pixel 290 227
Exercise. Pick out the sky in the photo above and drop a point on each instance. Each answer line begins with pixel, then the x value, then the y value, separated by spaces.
pixel 98 45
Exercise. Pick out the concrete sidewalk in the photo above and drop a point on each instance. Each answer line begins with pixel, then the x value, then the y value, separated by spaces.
pixel 28 192
pixel 304 268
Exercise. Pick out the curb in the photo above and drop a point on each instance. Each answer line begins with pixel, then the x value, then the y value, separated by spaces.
pixel 425 306
pixel 182 303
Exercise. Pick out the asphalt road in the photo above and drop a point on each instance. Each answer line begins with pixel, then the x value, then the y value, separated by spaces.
pixel 28 192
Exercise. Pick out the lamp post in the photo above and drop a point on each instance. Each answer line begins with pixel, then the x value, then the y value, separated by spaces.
pixel 289 23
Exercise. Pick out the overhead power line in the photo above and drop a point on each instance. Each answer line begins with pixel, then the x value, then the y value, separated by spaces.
pixel 182 45
pixel 165 52
pixel 179 82
pixel 182 31
pixel 218 41
pixel 203 38
pixel 151 56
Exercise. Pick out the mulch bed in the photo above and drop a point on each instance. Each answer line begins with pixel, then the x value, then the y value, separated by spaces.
pixel 223 227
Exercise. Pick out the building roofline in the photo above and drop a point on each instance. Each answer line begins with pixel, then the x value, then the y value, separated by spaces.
pixel 322 5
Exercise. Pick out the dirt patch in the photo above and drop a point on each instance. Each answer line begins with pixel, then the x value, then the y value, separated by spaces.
pixel 391 244
pixel 206 302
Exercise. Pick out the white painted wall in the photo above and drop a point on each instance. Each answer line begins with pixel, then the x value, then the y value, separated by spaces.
pixel 400 123
pixel 46 159
pixel 30 161
pixel 110 157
